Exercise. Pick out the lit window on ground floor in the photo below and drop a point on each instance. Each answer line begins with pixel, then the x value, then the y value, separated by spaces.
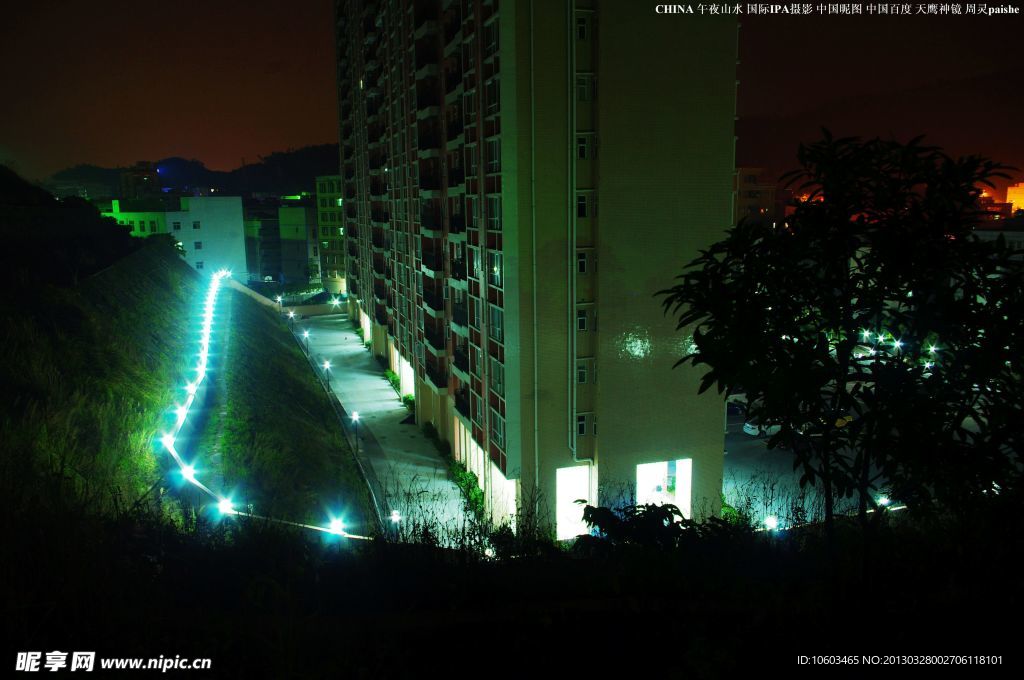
pixel 571 484
pixel 668 481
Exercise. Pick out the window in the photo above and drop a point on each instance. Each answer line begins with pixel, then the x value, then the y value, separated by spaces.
pixel 586 88
pixel 478 411
pixel 581 425
pixel 199 264
pixel 582 28
pixel 195 225
pixel 142 226
pixel 497 429
pixel 176 226
pixel 497 377
pixel 493 155
pixel 581 373
pixel 496 329
pixel 152 226
pixel 492 96
pixel 494 213
pixel 581 262
pixel 131 223
pixel 593 428
pixel 495 275
pixel 475 353
pixel 197 245
pixel 586 204
pixel 581 320
pixel 584 148
pixel 471 168
pixel 472 211
pixel 469 109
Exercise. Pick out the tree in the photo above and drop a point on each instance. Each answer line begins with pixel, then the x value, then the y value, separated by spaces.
pixel 871 325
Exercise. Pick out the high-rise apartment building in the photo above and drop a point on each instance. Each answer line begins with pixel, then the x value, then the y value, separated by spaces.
pixel 519 178
pixel 330 211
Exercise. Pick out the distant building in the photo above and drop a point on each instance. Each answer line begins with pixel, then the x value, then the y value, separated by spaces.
pixel 1015 196
pixel 993 209
pixel 140 181
pixel 210 230
pixel 280 240
pixel 329 205
pixel 754 196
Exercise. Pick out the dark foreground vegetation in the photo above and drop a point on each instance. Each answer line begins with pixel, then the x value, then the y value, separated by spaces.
pixel 265 602
pixel 281 442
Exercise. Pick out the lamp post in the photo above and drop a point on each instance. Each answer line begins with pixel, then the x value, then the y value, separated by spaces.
pixel 327 373
pixel 291 317
pixel 305 335
pixel 355 426
pixel 279 300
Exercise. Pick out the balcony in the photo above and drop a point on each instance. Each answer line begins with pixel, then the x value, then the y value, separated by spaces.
pixel 455 128
pixel 460 314
pixel 430 181
pixel 378 240
pixel 438 376
pixel 457 225
pixel 380 291
pixel 433 261
pixel 433 300
pixel 462 402
pixel 381 315
pixel 429 139
pixel 430 220
pixel 461 359
pixel 380 216
pixel 435 339
pixel 456 176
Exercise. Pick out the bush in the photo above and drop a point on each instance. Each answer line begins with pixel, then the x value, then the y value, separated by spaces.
pixel 393 379
pixel 409 401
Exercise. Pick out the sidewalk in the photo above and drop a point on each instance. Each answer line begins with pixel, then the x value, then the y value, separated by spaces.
pixel 405 471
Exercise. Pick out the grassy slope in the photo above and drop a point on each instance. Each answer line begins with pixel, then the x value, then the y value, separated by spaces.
pixel 86 374
pixel 281 441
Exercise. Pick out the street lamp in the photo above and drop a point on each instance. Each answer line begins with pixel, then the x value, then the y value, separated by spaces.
pixel 355 425
pixel 327 373
pixel 396 517
pixel 279 299
pixel 291 317
pixel 305 334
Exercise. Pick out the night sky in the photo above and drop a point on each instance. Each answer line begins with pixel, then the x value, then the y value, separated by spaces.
pixel 110 82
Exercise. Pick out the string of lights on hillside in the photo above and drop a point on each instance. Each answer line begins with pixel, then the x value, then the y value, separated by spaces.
pixel 225 504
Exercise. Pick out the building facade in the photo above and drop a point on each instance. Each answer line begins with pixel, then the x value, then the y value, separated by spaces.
pixel 330 211
pixel 519 179
pixel 210 230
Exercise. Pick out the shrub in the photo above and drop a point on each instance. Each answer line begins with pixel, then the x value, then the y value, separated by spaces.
pixel 409 401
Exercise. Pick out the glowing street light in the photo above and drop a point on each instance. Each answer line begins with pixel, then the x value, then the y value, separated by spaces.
pixel 396 517
pixel 335 302
pixel 291 316
pixel 226 507
pixel 279 301
pixel 189 473
pixel 337 526
pixel 883 501
pixel 771 522
pixel 305 335
pixel 327 373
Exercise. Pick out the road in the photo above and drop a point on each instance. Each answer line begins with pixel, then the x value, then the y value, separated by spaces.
pixel 413 478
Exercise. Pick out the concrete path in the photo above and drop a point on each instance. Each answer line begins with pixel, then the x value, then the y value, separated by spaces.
pixel 405 471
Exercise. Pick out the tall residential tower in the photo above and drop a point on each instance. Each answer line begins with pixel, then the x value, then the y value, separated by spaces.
pixel 519 178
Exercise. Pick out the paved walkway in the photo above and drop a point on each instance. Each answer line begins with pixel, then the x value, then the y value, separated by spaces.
pixel 406 472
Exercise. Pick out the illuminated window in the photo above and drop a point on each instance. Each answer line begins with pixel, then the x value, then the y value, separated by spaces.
pixel 668 481
pixel 495 275
pixel 571 484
